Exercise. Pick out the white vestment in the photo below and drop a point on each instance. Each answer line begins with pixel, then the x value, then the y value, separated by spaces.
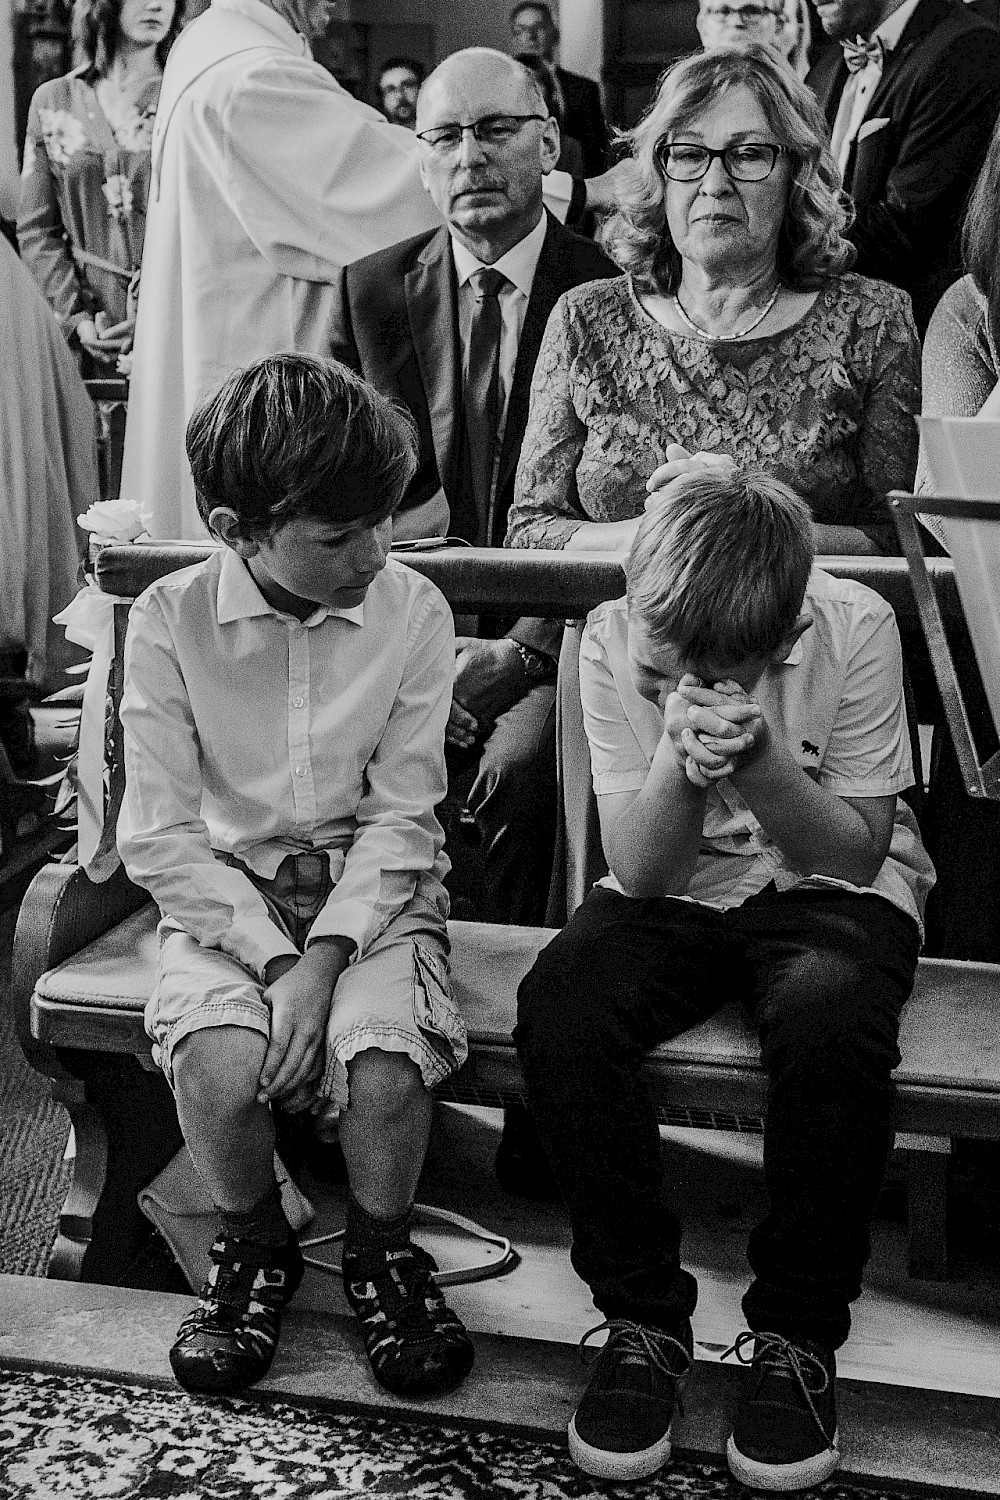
pixel 268 177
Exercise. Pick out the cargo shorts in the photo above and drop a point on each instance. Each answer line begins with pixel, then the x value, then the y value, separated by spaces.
pixel 395 997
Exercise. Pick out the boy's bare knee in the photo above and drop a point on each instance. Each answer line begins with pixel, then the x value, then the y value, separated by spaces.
pixel 220 1064
pixel 386 1084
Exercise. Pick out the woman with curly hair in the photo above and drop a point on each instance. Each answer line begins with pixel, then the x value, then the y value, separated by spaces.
pixel 82 212
pixel 737 330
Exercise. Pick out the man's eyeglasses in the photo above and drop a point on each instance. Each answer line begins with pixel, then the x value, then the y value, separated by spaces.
pixel 749 161
pixel 749 13
pixel 491 130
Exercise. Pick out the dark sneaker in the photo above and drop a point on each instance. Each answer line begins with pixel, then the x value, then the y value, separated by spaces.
pixel 621 1428
pixel 415 1344
pixel 229 1340
pixel 785 1434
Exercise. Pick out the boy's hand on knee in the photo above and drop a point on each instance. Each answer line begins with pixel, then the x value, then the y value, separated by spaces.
pixel 299 1001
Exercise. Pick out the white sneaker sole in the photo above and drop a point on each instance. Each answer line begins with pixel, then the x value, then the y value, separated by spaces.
pixel 797 1476
pixel 600 1463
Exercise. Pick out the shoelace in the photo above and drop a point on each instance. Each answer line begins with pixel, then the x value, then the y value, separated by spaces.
pixel 772 1349
pixel 649 1343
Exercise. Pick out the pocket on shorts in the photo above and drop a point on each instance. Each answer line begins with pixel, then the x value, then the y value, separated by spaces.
pixel 433 1010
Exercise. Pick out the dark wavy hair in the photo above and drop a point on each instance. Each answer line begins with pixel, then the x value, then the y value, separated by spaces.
pixel 296 436
pixel 811 245
pixel 95 35
pixel 981 235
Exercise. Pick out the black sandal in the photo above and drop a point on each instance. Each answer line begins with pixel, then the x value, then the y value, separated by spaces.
pixel 229 1340
pixel 415 1344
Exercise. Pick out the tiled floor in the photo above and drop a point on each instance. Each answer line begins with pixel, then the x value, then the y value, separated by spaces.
pixel 920 1393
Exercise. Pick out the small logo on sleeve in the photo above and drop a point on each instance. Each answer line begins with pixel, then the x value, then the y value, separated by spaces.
pixel 810 749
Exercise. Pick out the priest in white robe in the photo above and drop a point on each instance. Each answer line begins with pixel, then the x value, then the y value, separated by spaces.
pixel 268 177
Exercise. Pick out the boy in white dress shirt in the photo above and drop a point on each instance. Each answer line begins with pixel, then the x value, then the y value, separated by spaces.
pixel 284 719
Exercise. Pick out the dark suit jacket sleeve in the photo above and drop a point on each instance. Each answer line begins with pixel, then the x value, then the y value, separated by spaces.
pixel 914 220
pixel 341 327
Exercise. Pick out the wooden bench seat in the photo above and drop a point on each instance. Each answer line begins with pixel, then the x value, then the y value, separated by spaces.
pixel 84 963
pixel 948 1081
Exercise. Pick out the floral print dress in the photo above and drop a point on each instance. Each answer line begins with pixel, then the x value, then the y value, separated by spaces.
pixel 82 213
pixel 826 405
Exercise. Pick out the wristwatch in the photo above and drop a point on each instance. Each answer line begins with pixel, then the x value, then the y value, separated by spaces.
pixel 537 666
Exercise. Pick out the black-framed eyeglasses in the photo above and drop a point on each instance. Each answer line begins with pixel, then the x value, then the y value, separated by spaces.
pixel 747 161
pixel 748 13
pixel 491 130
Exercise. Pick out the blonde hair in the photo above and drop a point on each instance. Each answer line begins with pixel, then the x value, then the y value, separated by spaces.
pixel 720 567
pixel 811 243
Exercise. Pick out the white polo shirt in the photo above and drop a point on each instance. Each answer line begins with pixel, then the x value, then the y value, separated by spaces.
pixel 836 702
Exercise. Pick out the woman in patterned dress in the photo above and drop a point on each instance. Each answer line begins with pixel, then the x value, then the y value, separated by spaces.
pixel 82 212
pixel 738 329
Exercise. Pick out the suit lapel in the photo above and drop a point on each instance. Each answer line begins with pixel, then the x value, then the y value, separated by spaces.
pixel 431 306
pixel 923 20
pixel 827 81
pixel 549 283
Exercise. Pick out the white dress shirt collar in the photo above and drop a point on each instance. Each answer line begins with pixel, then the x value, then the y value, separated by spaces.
pixel 893 26
pixel 518 264
pixel 241 599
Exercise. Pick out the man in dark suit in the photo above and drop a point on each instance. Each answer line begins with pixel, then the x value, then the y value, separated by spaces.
pixel 533 29
pixel 412 319
pixel 911 96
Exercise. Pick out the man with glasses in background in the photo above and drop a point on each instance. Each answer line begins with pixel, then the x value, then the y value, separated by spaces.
pixel 399 83
pixel 450 324
pixel 267 178
pixel 732 23
pixel 533 30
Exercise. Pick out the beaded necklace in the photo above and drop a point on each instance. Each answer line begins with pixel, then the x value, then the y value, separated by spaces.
pixel 717 338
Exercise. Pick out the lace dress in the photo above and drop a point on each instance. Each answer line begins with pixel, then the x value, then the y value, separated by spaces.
pixel 826 405
pixel 82 212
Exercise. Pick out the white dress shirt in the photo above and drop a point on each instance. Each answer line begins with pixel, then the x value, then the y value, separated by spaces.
pixel 255 734
pixel 860 86
pixel 519 266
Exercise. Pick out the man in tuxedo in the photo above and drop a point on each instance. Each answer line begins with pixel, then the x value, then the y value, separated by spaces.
pixel 911 94
pixel 533 29
pixel 450 323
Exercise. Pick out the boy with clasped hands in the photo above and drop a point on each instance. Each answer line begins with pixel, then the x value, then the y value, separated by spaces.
pixel 748 741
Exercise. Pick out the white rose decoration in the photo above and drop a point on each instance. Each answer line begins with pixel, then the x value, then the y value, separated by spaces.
pixel 114 520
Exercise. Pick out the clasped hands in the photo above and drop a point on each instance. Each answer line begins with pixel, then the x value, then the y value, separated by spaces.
pixel 713 731
pixel 299 993
pixel 103 342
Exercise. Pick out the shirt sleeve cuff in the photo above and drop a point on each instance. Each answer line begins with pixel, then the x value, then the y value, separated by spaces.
pixel 348 919
pixel 254 948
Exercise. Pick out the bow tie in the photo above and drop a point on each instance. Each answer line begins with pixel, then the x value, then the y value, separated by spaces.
pixel 859 53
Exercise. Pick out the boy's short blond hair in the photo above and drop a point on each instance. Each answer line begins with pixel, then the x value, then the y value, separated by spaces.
pixel 719 568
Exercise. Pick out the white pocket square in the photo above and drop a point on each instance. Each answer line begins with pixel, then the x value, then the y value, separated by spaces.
pixel 871 126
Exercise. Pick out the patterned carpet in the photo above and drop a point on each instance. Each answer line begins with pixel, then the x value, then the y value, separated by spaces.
pixel 34 1179
pixel 71 1436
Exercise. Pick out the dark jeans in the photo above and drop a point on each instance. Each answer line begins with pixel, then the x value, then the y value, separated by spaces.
pixel 824 974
